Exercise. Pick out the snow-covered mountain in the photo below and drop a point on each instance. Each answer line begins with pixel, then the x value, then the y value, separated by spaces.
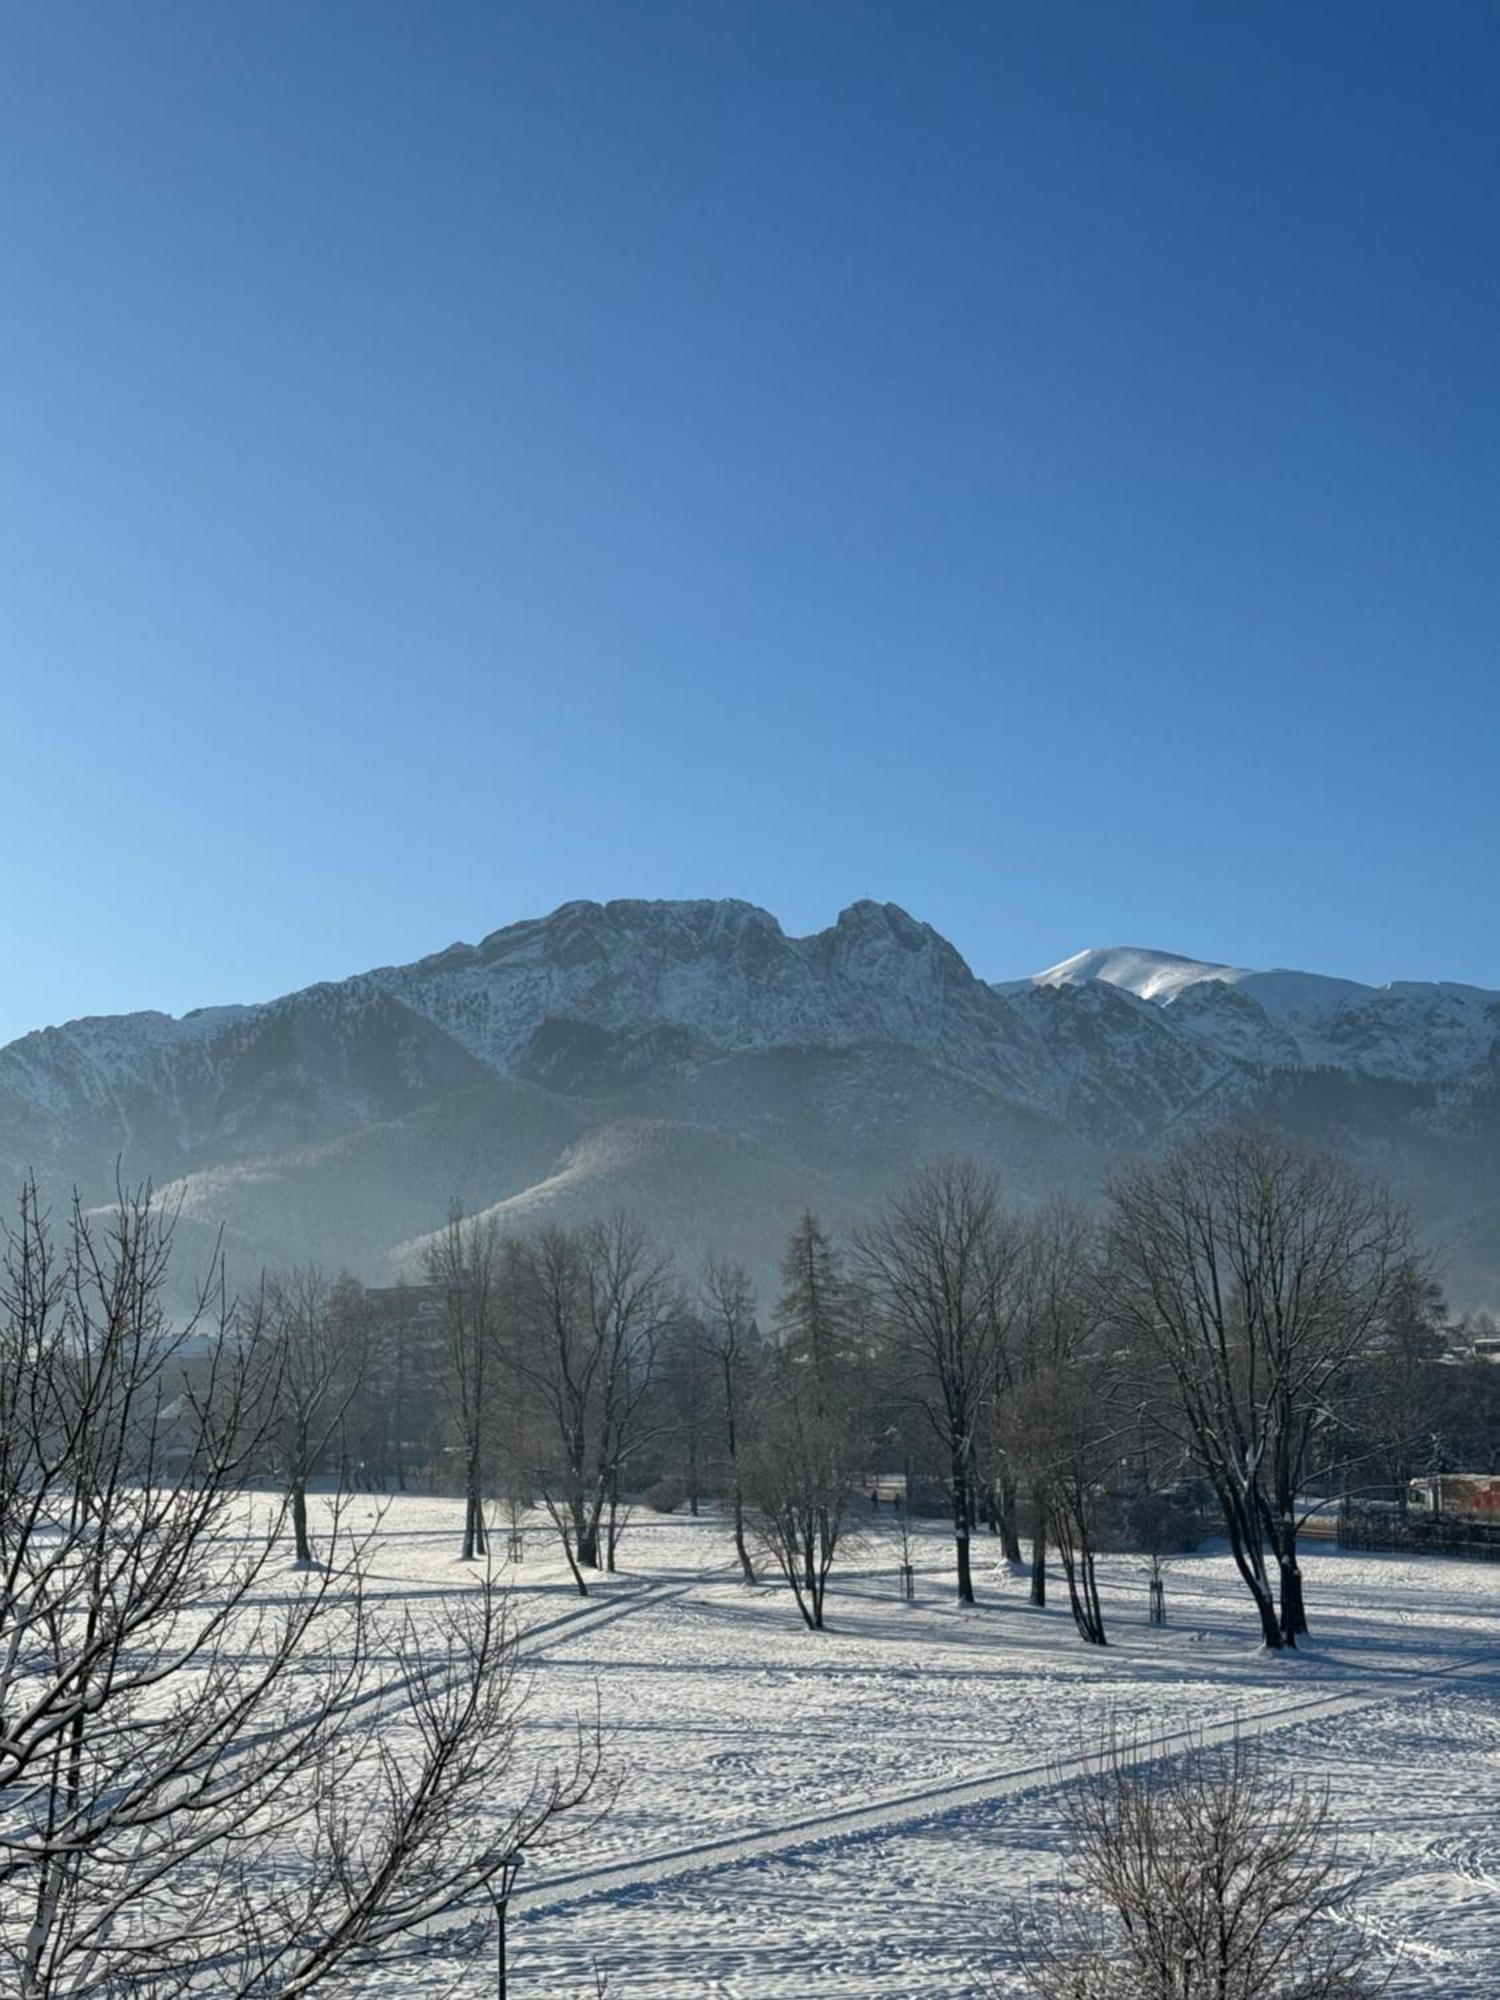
pixel 1410 1031
pixel 693 1062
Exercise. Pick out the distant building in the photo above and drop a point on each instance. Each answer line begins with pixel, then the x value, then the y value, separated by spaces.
pixel 1473 1496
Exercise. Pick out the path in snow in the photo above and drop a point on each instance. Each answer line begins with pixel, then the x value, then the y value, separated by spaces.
pixel 931 1802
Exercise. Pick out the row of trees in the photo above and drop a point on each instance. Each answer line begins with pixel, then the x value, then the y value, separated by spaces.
pixel 1242 1315
pixel 184 1806
pixel 1232 1316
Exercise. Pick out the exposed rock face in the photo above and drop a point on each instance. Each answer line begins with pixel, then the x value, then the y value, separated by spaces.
pixel 692 1061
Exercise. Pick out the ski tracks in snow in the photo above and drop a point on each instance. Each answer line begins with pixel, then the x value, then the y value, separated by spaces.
pixel 932 1802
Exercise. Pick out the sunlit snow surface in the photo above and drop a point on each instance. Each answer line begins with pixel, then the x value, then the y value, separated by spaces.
pixel 1433 1031
pixel 801 1786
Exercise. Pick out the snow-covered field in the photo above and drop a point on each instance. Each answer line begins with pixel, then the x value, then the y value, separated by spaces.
pixel 874 1810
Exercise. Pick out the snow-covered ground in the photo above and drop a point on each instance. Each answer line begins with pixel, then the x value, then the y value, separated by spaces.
pixel 873 1811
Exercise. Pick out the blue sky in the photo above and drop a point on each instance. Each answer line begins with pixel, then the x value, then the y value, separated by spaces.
pixel 1036 464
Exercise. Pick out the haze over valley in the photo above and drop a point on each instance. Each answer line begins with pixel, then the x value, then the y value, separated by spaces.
pixel 692 1064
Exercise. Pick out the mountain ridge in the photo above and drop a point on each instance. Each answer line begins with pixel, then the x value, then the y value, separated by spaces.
pixel 591 1054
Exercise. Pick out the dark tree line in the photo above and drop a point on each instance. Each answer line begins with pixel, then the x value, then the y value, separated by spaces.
pixel 1242 1318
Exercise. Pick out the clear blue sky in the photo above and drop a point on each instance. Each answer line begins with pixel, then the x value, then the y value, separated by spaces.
pixel 1036 463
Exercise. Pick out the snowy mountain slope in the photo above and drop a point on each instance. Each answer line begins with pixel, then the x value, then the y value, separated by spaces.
pixel 725 1155
pixel 160 1095
pixel 693 1061
pixel 729 974
pixel 1441 1032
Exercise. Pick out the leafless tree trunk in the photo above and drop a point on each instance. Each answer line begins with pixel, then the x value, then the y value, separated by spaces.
pixel 317 1348
pixel 938 1265
pixel 1069 1443
pixel 728 1312
pixel 463 1262
pixel 689 1384
pixel 616 1521
pixel 1040 1503
pixel 798 1480
pixel 1007 1500
pixel 1072 1515
pixel 1047 1324
pixel 1249 1278
pixel 595 1304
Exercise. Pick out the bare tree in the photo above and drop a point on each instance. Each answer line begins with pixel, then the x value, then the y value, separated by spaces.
pixel 727 1313
pixel 189 1805
pixel 689 1384
pixel 1209 1880
pixel 317 1347
pixel 938 1265
pixel 1049 1325
pixel 463 1263
pixel 595 1304
pixel 799 1474
pixel 1249 1278
pixel 1068 1445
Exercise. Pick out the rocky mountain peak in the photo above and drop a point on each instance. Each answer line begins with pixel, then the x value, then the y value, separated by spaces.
pixel 583 1055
